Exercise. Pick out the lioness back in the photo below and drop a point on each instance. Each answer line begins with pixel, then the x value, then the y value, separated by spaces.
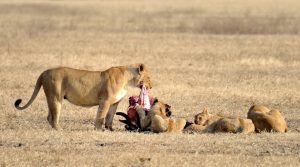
pixel 77 86
pixel 227 125
pixel 267 120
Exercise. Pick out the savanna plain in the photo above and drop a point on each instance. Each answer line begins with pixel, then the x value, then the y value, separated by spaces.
pixel 219 54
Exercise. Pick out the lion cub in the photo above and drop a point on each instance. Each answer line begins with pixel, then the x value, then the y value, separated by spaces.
pixel 265 119
pixel 158 119
pixel 206 122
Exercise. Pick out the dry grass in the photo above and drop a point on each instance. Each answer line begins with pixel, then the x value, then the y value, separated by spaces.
pixel 200 54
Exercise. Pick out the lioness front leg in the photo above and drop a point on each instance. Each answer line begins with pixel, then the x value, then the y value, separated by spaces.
pixel 110 116
pixel 101 114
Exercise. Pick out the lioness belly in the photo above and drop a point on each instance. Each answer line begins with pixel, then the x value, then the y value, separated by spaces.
pixel 83 90
pixel 82 100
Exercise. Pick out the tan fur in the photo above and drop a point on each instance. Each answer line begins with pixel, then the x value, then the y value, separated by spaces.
pixel 158 121
pixel 194 128
pixel 234 125
pixel 265 119
pixel 176 125
pixel 88 88
pixel 205 118
pixel 206 122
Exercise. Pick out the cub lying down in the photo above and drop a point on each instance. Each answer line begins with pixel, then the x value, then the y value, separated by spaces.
pixel 265 119
pixel 209 123
pixel 158 119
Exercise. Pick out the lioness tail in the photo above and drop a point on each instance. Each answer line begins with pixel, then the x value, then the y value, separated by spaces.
pixel 34 94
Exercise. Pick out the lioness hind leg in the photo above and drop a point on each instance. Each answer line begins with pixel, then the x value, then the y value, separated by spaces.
pixel 176 125
pixel 159 124
pixel 54 106
pixel 110 116
pixel 171 125
pixel 180 125
pixel 54 100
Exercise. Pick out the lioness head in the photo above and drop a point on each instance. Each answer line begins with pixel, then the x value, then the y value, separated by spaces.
pixel 161 109
pixel 142 76
pixel 202 118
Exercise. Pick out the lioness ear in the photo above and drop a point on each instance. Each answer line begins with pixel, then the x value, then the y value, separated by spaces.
pixel 168 106
pixel 205 111
pixel 141 68
pixel 155 101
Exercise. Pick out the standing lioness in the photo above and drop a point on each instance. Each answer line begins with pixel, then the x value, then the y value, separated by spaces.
pixel 88 88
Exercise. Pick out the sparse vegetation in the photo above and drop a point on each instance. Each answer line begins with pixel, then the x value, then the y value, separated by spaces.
pixel 218 54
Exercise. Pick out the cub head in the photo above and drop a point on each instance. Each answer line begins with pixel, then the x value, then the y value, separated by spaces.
pixel 161 109
pixel 202 118
pixel 141 76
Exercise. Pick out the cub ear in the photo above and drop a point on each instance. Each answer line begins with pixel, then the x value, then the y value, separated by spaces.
pixel 141 68
pixel 155 101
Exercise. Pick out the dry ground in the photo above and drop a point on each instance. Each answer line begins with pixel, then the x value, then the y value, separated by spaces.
pixel 222 55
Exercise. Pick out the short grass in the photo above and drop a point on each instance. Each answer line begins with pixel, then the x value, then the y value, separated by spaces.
pixel 223 55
